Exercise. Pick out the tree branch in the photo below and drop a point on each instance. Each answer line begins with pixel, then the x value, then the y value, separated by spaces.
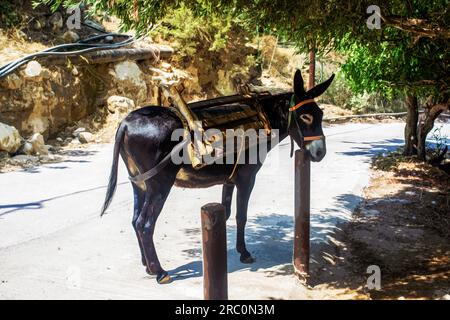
pixel 419 27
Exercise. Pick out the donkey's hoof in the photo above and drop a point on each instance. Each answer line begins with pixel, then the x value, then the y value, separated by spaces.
pixel 163 278
pixel 246 257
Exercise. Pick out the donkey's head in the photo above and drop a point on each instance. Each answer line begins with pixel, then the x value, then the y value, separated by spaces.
pixel 305 117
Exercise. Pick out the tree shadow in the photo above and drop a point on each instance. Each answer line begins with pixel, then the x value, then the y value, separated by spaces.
pixel 40 204
pixel 269 238
pixel 371 149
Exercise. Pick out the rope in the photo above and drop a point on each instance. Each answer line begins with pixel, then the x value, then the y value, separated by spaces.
pixel 237 160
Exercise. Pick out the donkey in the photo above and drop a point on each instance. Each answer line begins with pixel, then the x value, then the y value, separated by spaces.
pixel 143 139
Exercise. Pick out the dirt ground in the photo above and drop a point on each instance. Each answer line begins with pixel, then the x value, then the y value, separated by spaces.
pixel 402 226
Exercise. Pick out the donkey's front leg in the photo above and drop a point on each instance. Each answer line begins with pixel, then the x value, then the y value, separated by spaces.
pixel 244 189
pixel 227 196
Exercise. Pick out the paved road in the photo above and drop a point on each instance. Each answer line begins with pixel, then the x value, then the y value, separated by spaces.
pixel 54 245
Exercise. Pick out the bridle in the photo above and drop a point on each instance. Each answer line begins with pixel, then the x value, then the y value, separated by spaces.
pixel 303 138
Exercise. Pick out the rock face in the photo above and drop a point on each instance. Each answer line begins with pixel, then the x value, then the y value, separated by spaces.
pixel 10 139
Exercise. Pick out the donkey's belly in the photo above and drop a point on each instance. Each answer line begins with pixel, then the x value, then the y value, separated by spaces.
pixel 206 177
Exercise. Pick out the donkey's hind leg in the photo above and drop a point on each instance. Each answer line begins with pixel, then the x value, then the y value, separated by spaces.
pixel 154 201
pixel 139 197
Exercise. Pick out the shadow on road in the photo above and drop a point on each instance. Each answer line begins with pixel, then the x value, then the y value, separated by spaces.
pixel 270 240
pixel 36 205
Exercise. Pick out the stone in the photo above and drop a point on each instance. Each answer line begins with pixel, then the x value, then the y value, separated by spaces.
pixel 4 155
pixel 130 79
pixel 10 139
pixel 71 36
pixel 75 71
pixel 85 137
pixel 27 148
pixel 123 104
pixel 38 143
pixel 12 82
pixel 56 21
pixel 166 66
pixel 23 160
pixel 60 140
pixel 33 69
pixel 37 25
pixel 78 131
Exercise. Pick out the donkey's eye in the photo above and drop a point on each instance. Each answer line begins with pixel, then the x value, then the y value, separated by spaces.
pixel 307 118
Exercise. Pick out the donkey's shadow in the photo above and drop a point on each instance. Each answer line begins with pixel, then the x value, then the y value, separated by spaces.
pixel 269 238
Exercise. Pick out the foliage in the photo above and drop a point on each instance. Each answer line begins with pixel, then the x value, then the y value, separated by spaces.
pixel 441 142
pixel 188 31
pixel 8 17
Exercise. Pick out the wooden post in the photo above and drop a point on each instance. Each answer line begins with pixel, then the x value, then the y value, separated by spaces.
pixel 302 215
pixel 215 278
pixel 312 67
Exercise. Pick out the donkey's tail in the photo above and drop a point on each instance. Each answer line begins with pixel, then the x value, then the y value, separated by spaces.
pixel 113 175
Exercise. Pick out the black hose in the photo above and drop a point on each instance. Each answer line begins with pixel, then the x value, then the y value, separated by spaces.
pixel 64 50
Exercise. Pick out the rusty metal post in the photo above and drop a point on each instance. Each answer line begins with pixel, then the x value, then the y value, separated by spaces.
pixel 215 278
pixel 302 221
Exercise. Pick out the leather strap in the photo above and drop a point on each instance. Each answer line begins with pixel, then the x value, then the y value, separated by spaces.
pixel 298 105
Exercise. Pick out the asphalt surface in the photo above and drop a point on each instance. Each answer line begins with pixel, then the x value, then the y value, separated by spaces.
pixel 54 245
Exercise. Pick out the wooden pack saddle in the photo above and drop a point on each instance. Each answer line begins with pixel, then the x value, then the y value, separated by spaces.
pixel 241 113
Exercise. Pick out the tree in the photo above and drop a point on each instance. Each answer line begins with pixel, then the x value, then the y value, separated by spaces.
pixel 408 55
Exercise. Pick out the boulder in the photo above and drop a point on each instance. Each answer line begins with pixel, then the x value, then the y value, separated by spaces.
pixel 10 139
pixel 122 104
pixel 85 137
pixel 130 81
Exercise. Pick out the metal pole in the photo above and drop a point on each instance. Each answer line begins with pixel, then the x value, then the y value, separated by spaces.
pixel 302 221
pixel 215 282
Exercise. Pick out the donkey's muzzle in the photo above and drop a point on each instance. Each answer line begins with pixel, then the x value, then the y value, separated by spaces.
pixel 317 149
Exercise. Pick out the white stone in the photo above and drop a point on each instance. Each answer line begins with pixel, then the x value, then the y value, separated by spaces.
pixel 27 148
pixel 33 69
pixel 85 137
pixel 10 138
pixel 120 103
pixel 38 143
pixel 78 131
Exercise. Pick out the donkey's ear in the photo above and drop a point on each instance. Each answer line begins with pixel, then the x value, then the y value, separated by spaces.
pixel 299 88
pixel 320 88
